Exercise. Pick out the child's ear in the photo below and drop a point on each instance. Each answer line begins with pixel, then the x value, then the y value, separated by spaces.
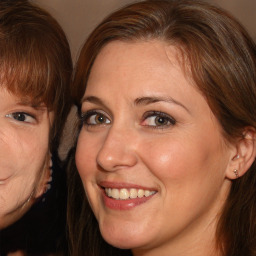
pixel 244 154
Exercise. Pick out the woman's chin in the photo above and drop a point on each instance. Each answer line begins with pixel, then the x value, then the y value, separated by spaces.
pixel 122 243
pixel 127 240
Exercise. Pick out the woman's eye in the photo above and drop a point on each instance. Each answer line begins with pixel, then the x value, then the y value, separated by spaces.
pixel 21 117
pixel 158 119
pixel 94 118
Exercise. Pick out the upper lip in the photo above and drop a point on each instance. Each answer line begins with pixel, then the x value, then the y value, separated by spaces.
pixel 119 185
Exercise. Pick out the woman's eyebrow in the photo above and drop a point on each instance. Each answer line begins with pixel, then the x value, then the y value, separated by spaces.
pixel 92 99
pixel 153 99
pixel 36 106
pixel 97 101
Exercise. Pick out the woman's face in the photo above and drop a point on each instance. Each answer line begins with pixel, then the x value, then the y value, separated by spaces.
pixel 151 153
pixel 24 155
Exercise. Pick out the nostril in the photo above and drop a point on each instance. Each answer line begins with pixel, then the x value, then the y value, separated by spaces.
pixel 117 149
pixel 113 159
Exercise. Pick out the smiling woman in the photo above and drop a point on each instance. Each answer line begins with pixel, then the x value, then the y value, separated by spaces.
pixel 35 66
pixel 166 150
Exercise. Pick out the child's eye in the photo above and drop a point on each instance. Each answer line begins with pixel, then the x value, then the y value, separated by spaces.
pixel 22 117
pixel 94 118
pixel 157 119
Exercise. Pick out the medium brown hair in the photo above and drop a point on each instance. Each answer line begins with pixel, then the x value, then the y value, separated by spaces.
pixel 222 63
pixel 35 60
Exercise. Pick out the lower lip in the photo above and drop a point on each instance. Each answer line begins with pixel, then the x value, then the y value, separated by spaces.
pixel 128 204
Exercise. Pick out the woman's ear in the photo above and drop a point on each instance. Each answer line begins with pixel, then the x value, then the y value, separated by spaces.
pixel 244 156
pixel 46 178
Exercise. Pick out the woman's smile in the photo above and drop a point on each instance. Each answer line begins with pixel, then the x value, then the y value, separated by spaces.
pixel 4 180
pixel 124 196
pixel 124 193
pixel 148 146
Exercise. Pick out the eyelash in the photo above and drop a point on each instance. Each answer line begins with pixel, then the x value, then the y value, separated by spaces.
pixel 167 119
pixel 12 115
pixel 87 115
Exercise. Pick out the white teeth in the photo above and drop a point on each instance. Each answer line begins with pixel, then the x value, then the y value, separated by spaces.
pixel 124 193
pixel 108 191
pixel 147 193
pixel 140 193
pixel 115 193
pixel 133 193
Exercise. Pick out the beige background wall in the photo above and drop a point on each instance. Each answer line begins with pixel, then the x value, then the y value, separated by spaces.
pixel 79 17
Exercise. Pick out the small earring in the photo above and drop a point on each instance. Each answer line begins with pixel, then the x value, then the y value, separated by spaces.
pixel 236 173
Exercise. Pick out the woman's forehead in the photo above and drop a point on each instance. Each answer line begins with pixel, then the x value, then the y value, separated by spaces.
pixel 23 99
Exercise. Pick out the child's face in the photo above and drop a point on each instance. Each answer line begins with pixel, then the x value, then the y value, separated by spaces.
pixel 24 155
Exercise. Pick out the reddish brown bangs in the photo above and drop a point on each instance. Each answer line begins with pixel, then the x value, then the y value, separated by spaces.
pixel 28 72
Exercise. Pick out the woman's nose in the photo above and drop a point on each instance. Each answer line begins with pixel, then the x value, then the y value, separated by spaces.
pixel 118 150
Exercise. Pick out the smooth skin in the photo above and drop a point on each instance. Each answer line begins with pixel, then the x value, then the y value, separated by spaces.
pixel 145 124
pixel 24 155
